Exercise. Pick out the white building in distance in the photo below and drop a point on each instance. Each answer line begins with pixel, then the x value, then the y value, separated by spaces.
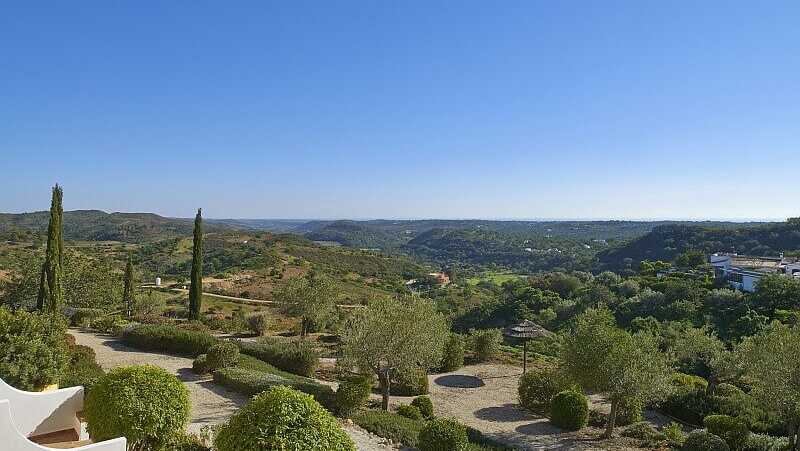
pixel 743 272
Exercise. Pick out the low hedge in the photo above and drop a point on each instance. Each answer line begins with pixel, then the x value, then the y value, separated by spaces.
pixel 409 411
pixel 249 382
pixel 443 434
pixel 391 425
pixel 200 364
pixel 166 338
pixel 295 357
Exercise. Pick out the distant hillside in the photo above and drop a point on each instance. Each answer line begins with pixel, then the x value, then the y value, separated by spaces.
pixel 96 225
pixel 492 249
pixel 668 241
pixel 362 235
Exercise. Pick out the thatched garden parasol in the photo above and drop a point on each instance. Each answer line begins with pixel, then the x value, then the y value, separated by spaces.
pixel 526 330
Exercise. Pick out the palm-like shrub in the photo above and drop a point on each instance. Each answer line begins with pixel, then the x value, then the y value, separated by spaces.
pixel 282 419
pixel 443 434
pixel 145 404
pixel 569 410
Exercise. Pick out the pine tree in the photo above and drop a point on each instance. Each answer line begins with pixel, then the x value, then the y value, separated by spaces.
pixel 128 293
pixel 196 288
pixel 51 292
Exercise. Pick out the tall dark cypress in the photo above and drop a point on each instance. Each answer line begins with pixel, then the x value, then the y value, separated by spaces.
pixel 196 288
pixel 128 293
pixel 51 292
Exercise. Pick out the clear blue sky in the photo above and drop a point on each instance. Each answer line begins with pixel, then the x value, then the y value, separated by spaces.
pixel 395 109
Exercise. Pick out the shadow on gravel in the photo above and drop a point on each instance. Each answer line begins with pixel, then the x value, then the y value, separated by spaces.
pixel 504 413
pixel 459 381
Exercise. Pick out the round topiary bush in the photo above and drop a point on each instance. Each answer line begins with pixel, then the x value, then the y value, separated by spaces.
pixel 537 388
pixel 200 365
pixel 733 430
pixel 569 410
pixel 145 404
pixel 281 418
pixel 443 434
pixel 408 411
pixel 425 406
pixel 222 355
pixel 700 440
pixel 258 323
pixel 352 394
pixel 453 353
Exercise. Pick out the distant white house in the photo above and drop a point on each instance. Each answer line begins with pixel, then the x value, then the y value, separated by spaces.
pixel 743 272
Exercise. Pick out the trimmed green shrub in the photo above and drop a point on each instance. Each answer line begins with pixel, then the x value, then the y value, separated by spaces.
pixel 200 364
pixel 700 440
pixel 145 404
pixel 453 353
pixel 645 432
pixel 282 419
pixel 258 323
pixel 82 369
pixel 411 383
pixel 674 434
pixel 486 343
pixel 682 380
pixel 733 430
pixel 728 390
pixel 108 324
pixel 763 442
pixel 569 410
pixel 538 386
pixel 352 394
pixel 425 406
pixel 166 338
pixel 297 357
pixel 222 355
pixel 478 441
pixel 33 349
pixel 443 434
pixel 390 425
pixel 687 404
pixel 250 382
pixel 83 315
pixel 408 411
pixel 195 326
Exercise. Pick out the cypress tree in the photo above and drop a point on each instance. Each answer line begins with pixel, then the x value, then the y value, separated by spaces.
pixel 196 288
pixel 51 292
pixel 128 294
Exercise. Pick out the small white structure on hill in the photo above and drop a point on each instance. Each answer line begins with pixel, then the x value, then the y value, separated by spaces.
pixel 158 281
pixel 743 272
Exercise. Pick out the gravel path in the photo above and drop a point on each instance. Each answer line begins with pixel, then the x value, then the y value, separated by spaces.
pixel 211 404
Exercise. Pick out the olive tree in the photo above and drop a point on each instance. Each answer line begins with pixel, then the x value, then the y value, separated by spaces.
pixel 312 298
pixel 394 335
pixel 771 362
pixel 605 359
